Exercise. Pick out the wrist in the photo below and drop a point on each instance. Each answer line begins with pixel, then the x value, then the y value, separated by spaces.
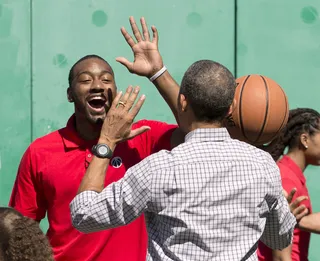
pixel 111 144
pixel 157 72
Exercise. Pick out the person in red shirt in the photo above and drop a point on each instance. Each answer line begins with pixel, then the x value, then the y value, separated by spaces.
pixel 302 137
pixel 53 166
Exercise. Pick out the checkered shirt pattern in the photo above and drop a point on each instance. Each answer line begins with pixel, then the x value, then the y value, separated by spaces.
pixel 211 198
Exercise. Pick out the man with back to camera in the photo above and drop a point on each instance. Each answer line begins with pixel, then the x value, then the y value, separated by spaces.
pixel 52 167
pixel 210 198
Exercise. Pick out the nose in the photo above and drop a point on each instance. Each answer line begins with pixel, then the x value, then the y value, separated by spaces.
pixel 96 87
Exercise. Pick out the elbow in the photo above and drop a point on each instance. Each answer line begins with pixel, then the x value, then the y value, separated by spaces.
pixel 79 223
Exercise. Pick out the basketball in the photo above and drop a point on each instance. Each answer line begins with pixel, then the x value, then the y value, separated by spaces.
pixel 260 112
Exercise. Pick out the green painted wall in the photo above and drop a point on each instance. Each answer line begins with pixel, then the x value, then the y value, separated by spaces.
pixel 41 39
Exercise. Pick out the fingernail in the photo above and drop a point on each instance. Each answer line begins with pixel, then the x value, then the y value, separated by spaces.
pixel 142 97
pixel 136 90
pixel 120 93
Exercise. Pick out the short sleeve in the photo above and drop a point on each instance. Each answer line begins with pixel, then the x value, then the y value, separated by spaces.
pixel 26 196
pixel 157 138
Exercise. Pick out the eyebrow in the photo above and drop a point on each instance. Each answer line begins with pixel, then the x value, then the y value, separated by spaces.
pixel 101 73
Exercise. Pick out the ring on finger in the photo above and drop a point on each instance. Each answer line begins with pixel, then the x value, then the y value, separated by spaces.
pixel 122 103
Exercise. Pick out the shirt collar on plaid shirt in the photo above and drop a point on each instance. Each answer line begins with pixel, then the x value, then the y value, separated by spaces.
pixel 207 134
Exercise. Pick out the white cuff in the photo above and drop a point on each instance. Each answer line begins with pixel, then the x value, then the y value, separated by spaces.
pixel 158 74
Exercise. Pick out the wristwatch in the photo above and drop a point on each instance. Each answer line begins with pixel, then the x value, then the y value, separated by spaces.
pixel 102 151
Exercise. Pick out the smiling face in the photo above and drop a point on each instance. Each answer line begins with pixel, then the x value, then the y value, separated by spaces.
pixel 92 89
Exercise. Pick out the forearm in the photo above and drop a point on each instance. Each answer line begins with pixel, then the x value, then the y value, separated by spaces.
pixel 118 204
pixel 282 255
pixel 310 223
pixel 95 175
pixel 169 89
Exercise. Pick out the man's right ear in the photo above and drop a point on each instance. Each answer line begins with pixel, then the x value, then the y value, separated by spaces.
pixel 69 95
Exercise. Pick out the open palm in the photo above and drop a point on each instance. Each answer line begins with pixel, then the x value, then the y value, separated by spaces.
pixel 147 59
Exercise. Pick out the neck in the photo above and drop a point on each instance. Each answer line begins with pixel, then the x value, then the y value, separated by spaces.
pixel 204 125
pixel 86 129
pixel 298 157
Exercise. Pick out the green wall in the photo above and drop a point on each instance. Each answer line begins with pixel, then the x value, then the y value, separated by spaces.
pixel 41 39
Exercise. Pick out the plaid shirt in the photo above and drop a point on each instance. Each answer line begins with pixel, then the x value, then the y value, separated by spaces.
pixel 211 198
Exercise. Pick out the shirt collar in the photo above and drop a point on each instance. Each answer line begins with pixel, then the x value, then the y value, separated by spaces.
pixel 71 138
pixel 207 134
pixel 286 160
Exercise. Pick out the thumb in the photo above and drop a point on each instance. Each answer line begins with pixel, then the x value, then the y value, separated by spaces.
pixel 125 62
pixel 138 131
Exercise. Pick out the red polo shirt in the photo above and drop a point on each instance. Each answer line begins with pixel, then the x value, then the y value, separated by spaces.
pixel 292 177
pixel 48 178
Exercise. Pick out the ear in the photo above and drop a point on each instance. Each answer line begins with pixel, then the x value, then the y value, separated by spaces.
pixel 232 107
pixel 304 140
pixel 69 95
pixel 183 102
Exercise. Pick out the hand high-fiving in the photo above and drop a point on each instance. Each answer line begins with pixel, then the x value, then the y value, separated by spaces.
pixel 118 122
pixel 147 59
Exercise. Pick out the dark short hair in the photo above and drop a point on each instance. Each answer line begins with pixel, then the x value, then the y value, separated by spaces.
pixel 90 56
pixel 209 88
pixel 21 238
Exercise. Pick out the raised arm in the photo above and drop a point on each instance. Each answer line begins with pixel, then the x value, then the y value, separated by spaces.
pixel 148 62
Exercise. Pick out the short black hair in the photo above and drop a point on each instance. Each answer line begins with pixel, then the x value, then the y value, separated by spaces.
pixel 209 87
pixel 90 56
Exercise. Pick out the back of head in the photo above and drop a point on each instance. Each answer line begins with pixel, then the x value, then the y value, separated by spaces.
pixel 301 120
pixel 209 88
pixel 21 238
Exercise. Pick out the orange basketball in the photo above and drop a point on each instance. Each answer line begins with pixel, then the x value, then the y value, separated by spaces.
pixel 261 110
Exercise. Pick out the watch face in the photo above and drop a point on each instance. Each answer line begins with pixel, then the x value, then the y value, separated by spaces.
pixel 103 150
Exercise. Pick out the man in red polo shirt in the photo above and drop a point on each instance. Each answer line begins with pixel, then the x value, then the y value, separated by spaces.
pixel 53 166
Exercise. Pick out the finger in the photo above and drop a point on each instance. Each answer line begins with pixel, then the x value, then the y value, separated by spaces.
pixel 145 30
pixel 116 100
pixel 125 62
pixel 155 37
pixel 302 214
pixel 138 131
pixel 299 210
pixel 135 29
pixel 128 37
pixel 290 197
pixel 126 96
pixel 135 110
pixel 132 98
pixel 297 201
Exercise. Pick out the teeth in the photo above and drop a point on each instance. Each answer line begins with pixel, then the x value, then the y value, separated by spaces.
pixel 96 98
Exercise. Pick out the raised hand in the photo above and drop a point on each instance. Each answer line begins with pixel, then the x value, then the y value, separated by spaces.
pixel 147 59
pixel 118 122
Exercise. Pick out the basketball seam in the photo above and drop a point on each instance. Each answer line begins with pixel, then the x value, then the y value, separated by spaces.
pixel 286 104
pixel 240 108
pixel 266 111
